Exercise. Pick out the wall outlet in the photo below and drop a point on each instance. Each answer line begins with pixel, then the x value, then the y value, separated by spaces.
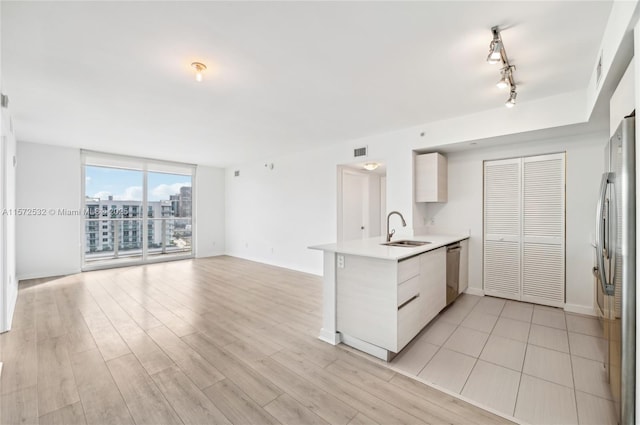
pixel 341 261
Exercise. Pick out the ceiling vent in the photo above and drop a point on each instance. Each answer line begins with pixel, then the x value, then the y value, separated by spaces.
pixel 358 152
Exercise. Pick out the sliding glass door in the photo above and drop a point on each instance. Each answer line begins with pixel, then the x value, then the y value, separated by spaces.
pixel 135 210
pixel 169 214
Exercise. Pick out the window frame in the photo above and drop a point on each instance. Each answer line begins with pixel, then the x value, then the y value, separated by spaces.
pixel 145 165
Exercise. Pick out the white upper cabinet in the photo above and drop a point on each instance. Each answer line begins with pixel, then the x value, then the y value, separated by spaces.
pixel 431 178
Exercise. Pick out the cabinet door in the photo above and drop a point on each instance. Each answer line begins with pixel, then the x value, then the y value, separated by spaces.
pixel 430 178
pixel 502 228
pixel 430 288
pixel 433 279
pixel 463 282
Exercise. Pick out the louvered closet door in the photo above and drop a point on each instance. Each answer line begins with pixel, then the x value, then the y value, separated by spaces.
pixel 502 228
pixel 543 272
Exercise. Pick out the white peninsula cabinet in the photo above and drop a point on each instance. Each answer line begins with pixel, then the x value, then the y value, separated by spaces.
pixel 382 304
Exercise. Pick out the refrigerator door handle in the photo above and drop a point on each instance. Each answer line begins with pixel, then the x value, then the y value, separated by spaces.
pixel 607 288
pixel 612 237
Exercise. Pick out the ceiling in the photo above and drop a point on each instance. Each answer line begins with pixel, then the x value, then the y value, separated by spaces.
pixel 282 76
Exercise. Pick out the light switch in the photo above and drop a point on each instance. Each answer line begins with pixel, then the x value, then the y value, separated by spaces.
pixel 341 261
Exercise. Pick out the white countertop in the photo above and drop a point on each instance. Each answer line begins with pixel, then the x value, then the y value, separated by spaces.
pixel 372 247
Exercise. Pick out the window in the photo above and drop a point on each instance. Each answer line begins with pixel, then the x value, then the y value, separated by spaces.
pixel 119 190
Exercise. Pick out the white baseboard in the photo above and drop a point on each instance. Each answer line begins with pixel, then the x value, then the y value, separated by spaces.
pixel 580 309
pixel 367 347
pixel 40 275
pixel 333 338
pixel 474 291
pixel 210 254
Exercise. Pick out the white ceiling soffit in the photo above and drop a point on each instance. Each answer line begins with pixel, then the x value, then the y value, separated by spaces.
pixel 282 76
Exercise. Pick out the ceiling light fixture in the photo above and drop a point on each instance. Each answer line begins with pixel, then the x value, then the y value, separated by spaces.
pixel 200 68
pixel 494 49
pixel 370 166
pixel 511 102
pixel 504 81
pixel 497 53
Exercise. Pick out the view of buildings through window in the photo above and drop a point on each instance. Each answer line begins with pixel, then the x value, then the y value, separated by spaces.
pixel 115 223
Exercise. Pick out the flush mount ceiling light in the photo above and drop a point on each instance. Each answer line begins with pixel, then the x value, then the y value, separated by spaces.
pixel 497 53
pixel 200 68
pixel 370 166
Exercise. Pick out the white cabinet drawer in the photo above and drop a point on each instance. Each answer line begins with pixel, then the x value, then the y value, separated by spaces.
pixel 408 269
pixel 410 320
pixel 408 289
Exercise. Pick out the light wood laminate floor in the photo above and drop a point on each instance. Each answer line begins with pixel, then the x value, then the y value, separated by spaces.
pixel 208 341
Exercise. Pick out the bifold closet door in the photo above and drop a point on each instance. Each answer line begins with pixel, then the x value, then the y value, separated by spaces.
pixel 502 228
pixel 524 229
pixel 543 230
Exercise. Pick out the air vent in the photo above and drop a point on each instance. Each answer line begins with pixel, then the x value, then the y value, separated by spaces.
pixel 360 152
pixel 599 70
pixel 236 173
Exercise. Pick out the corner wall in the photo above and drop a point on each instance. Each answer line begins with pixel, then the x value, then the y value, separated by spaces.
pixel 48 178
pixel 210 211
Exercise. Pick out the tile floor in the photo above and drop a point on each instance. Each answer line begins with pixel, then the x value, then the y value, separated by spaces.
pixel 535 363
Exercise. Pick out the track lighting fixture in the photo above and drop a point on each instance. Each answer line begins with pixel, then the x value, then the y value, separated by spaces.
pixel 497 53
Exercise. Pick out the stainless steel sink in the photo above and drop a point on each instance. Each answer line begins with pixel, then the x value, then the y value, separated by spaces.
pixel 406 243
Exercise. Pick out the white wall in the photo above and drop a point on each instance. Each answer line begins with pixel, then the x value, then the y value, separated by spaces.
pixel 623 100
pixel 210 211
pixel 8 279
pixel 273 215
pixel 48 178
pixel 463 211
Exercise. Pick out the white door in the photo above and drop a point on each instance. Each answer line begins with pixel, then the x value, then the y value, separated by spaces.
pixel 502 228
pixel 543 272
pixel 355 205
pixel 524 229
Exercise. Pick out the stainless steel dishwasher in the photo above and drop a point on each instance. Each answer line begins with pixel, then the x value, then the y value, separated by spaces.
pixel 453 271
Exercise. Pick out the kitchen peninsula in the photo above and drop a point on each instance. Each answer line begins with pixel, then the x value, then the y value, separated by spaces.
pixel 378 297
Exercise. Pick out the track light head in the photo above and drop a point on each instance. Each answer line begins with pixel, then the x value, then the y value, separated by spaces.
pixel 511 102
pixel 495 47
pixel 494 52
pixel 505 79
pixel 503 83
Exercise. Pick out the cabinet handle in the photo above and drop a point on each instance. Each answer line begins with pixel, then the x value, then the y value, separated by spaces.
pixel 408 301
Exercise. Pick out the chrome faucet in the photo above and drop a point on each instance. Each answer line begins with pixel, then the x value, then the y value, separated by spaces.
pixel 404 224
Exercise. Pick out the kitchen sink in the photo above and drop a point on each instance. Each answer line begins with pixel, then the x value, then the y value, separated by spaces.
pixel 406 243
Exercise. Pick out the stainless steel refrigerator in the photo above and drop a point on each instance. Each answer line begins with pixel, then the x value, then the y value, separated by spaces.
pixel 616 266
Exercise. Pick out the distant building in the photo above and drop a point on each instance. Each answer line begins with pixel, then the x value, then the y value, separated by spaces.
pixel 181 202
pixel 108 218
